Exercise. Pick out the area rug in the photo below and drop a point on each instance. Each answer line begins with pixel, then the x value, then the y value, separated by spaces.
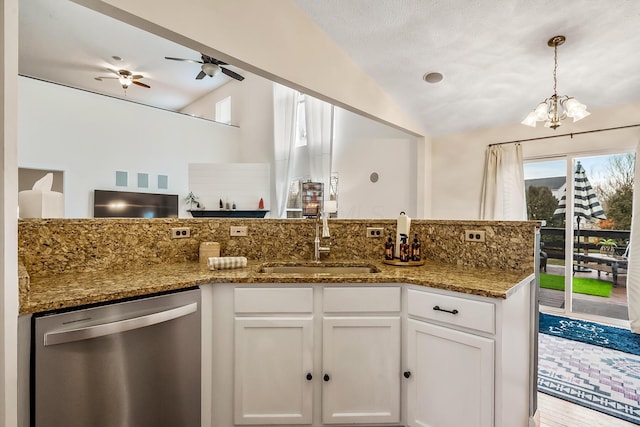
pixel 602 379
pixel 590 333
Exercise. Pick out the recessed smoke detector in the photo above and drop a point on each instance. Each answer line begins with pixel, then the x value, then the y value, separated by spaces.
pixel 433 77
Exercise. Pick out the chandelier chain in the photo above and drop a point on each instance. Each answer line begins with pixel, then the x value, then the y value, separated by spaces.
pixel 555 69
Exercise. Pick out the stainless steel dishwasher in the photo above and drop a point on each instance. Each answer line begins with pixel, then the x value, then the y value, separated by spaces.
pixel 129 364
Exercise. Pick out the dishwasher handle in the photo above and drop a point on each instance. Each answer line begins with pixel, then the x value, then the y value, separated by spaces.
pixel 79 334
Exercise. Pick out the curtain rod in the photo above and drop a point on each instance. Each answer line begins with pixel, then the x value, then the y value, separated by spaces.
pixel 564 134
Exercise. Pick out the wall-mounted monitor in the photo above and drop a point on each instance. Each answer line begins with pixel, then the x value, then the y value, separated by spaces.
pixel 125 204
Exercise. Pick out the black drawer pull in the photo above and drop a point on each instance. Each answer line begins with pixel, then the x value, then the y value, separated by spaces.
pixel 437 308
pixel 407 374
pixel 326 377
pixel 309 376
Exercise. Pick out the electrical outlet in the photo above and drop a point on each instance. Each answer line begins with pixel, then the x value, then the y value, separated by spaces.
pixel 238 231
pixel 375 232
pixel 180 232
pixel 474 236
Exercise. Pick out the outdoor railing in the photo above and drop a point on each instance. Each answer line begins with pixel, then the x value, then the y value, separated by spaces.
pixel 553 239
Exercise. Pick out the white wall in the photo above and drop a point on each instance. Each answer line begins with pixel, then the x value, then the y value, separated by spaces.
pixel 242 184
pixel 8 214
pixel 362 146
pixel 252 111
pixel 458 160
pixel 91 137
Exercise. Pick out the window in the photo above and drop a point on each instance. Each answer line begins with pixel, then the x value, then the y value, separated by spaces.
pixel 223 110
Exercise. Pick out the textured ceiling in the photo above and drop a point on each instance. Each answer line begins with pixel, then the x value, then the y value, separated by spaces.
pixel 493 54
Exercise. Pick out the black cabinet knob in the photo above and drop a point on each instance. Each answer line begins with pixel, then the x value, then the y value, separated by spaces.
pixel 309 376
pixel 326 377
pixel 407 374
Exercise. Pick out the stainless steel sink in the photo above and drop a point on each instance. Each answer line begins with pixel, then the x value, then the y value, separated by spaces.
pixel 319 269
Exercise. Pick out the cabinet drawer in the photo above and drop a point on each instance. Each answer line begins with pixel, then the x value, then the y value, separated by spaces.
pixel 471 314
pixel 361 299
pixel 273 300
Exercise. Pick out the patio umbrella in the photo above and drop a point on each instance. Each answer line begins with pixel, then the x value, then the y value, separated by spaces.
pixel 585 201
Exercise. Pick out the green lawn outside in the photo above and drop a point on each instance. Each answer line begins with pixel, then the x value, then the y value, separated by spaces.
pixel 581 285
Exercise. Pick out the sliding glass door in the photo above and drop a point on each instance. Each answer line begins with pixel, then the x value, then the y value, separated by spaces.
pixel 584 204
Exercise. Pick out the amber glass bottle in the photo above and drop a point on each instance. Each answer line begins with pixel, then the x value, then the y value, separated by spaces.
pixel 389 249
pixel 415 249
pixel 405 250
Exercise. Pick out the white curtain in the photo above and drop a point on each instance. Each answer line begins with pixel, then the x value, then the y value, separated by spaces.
pixel 319 123
pixel 285 116
pixel 633 273
pixel 503 192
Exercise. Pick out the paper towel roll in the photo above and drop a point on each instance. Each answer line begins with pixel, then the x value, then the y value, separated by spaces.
pixel 404 224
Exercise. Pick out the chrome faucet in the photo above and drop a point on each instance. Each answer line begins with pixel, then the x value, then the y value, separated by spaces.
pixel 317 249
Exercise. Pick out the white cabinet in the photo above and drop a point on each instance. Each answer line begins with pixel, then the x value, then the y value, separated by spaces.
pixel 468 359
pixel 361 366
pixel 450 377
pixel 274 356
pixel 273 370
pixel 361 369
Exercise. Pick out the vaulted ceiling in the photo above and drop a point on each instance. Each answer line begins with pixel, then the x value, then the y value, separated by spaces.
pixel 493 54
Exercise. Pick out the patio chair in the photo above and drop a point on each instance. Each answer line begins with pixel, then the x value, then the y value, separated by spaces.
pixel 543 258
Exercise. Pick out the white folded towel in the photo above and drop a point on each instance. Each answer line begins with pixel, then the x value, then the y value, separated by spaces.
pixel 220 263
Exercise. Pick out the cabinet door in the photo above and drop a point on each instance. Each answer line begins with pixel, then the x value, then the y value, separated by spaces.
pixel 452 377
pixel 273 369
pixel 361 370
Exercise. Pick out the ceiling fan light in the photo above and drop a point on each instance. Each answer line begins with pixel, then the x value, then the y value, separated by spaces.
pixel 530 120
pixel 210 70
pixel 125 82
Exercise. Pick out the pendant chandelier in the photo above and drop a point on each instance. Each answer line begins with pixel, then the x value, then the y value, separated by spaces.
pixel 556 108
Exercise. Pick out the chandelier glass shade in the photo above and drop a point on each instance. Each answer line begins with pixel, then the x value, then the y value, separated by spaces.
pixel 556 108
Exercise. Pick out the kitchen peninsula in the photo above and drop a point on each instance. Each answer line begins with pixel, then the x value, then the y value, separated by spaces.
pixel 472 302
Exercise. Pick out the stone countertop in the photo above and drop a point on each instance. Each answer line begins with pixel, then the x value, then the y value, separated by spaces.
pixel 67 290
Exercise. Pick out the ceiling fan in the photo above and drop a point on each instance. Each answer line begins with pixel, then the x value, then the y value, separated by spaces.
pixel 125 77
pixel 210 67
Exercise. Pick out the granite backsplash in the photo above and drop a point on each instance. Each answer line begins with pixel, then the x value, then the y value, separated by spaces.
pixel 51 246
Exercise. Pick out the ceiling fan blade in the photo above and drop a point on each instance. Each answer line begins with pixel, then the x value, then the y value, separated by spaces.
pixel 141 84
pixel 137 76
pixel 232 74
pixel 212 60
pixel 105 77
pixel 184 60
pixel 201 75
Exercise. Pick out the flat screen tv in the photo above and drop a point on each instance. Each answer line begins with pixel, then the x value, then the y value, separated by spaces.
pixel 125 204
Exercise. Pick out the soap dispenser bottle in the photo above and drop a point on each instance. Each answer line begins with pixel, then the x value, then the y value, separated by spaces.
pixel 389 249
pixel 415 249
pixel 404 249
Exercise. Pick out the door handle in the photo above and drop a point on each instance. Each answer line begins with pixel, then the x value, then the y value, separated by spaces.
pixel 95 331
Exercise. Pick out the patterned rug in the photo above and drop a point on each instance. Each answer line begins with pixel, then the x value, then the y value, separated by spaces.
pixel 595 377
pixel 590 333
